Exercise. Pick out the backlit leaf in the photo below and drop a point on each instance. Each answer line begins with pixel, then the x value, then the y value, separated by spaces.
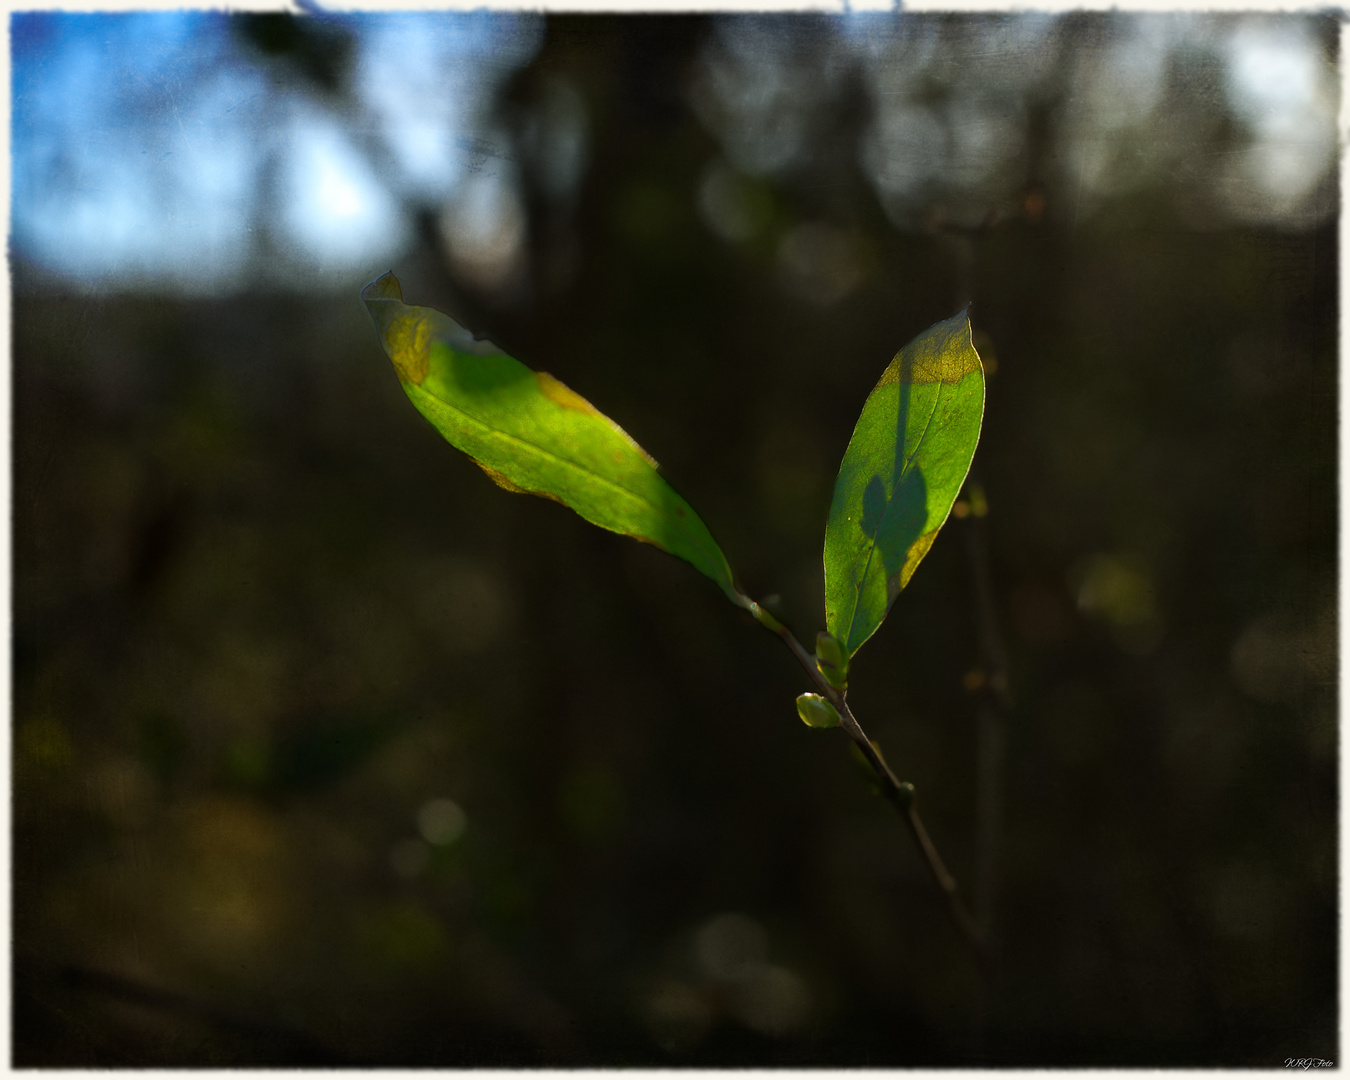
pixel 532 434
pixel 904 466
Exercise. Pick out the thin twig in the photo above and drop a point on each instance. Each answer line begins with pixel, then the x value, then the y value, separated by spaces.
pixel 900 795
pixel 996 701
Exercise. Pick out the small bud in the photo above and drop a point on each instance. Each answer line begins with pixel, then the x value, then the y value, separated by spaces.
pixel 831 661
pixel 816 712
pixel 763 617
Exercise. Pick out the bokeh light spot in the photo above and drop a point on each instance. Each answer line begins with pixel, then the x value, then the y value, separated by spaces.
pixel 441 821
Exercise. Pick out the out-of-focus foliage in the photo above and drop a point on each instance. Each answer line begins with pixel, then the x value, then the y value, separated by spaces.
pixel 312 768
pixel 533 435
pixel 192 150
pixel 904 466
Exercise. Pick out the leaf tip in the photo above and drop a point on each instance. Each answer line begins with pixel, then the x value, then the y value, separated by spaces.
pixel 405 332
pixel 384 287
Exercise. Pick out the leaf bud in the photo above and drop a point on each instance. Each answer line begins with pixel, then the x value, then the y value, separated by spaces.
pixel 831 660
pixel 816 712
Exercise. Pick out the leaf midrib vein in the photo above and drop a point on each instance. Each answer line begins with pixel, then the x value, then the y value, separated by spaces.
pixel 890 501
pixel 681 524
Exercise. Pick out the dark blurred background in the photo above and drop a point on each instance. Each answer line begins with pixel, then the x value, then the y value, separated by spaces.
pixel 328 751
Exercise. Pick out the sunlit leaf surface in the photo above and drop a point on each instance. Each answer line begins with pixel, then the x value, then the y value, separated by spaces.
pixel 532 434
pixel 904 466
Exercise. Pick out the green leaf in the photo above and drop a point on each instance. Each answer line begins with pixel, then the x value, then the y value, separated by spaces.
pixel 904 466
pixel 531 434
pixel 816 711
